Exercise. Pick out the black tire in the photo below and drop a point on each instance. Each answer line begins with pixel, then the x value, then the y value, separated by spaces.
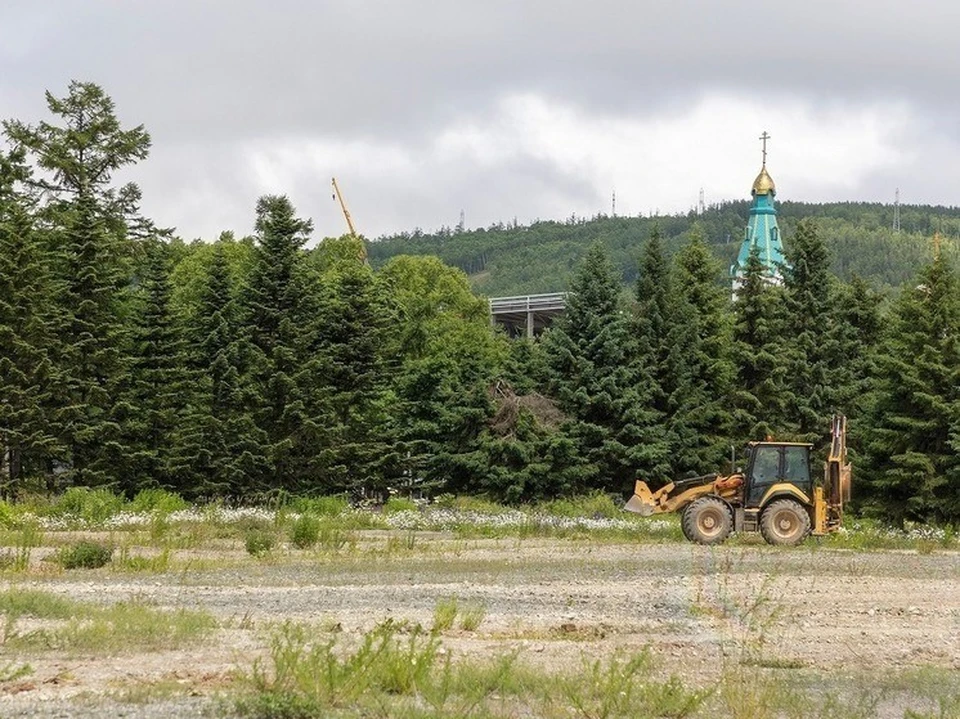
pixel 784 523
pixel 707 520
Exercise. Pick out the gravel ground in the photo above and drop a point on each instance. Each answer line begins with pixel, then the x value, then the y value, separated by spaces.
pixel 829 613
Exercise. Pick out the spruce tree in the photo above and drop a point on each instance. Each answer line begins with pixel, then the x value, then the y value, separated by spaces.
pixel 27 300
pixel 652 317
pixel 701 369
pixel 758 397
pixel 912 465
pixel 810 336
pixel 156 392
pixel 274 302
pixel 344 380
pixel 223 449
pixel 592 355
pixel 90 227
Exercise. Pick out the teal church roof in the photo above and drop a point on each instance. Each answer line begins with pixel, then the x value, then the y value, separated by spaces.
pixel 762 230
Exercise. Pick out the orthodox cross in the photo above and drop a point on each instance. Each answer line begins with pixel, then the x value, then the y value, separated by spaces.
pixel 764 137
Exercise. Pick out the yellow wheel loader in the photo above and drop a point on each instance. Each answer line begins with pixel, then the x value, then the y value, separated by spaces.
pixel 775 494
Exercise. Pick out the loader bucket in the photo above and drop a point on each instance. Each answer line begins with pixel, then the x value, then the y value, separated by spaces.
pixel 642 501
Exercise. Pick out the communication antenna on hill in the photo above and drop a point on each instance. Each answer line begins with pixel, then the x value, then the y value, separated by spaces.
pixel 701 206
pixel 896 211
pixel 614 204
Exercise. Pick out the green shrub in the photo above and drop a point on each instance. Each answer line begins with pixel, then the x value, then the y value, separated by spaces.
pixel 8 515
pixel 158 500
pixel 84 555
pixel 259 543
pixel 305 531
pixel 94 506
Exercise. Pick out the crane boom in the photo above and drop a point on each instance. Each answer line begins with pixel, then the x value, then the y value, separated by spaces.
pixel 343 206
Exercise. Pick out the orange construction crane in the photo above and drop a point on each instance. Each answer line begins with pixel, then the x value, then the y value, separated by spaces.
pixel 343 206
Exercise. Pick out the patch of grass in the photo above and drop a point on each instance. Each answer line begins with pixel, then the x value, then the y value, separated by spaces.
pixel 414 676
pixel 11 671
pixel 84 555
pixel 596 505
pixel 332 506
pixel 24 540
pixel 258 543
pixel 142 563
pixel 401 543
pixel 17 602
pixel 86 627
pixel 445 614
pixel 472 616
pixel 399 504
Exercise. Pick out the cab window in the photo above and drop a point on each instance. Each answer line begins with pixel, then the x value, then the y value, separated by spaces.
pixel 766 465
pixel 796 465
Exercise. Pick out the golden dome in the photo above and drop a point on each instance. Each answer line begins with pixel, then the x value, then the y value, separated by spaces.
pixel 763 185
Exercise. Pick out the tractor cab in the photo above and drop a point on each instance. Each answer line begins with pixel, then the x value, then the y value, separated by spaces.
pixel 770 465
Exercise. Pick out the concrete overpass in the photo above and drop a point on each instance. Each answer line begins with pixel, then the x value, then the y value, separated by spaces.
pixel 527 315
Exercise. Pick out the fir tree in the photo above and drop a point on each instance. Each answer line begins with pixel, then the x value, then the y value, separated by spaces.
pixel 701 370
pixel 911 466
pixel 758 396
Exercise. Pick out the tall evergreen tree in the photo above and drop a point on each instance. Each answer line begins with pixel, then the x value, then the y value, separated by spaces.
pixel 652 319
pixel 27 301
pixel 701 370
pixel 597 380
pixel 344 379
pixel 912 466
pixel 811 335
pixel 448 359
pixel 758 397
pixel 274 302
pixel 156 392
pixel 91 224
pixel 222 446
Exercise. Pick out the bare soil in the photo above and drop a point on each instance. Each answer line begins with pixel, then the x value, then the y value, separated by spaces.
pixel 821 614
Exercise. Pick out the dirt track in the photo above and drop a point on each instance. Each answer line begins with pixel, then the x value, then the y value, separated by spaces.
pixel 819 611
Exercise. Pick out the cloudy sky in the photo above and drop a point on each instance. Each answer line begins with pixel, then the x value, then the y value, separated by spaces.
pixel 502 109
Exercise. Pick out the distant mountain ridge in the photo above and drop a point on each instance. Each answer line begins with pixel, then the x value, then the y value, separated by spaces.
pixel 541 257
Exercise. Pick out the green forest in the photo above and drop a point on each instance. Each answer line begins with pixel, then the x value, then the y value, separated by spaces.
pixel 504 260
pixel 245 366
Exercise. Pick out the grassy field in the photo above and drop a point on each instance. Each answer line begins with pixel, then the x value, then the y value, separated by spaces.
pixel 463 608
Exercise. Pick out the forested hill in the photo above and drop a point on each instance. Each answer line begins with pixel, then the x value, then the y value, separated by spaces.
pixel 517 259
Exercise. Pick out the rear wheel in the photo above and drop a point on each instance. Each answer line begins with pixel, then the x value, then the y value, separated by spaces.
pixel 707 521
pixel 784 522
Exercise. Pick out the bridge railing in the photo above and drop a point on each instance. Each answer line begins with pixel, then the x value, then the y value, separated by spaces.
pixel 551 302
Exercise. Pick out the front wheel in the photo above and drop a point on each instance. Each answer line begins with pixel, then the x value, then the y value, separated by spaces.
pixel 707 521
pixel 784 522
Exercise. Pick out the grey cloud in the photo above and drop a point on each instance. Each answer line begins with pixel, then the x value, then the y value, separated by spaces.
pixel 207 77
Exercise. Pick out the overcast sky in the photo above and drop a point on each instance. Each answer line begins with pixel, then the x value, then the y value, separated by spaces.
pixel 502 109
